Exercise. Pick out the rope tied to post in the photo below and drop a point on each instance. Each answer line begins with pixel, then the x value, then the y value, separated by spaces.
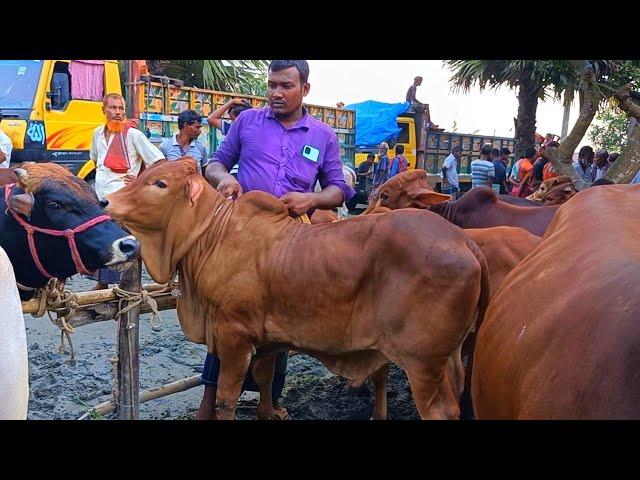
pixel 55 299
pixel 133 299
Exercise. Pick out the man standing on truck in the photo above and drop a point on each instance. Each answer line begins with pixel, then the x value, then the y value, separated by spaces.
pixel 119 152
pixel 6 146
pixel 280 150
pixel 450 184
pixel 185 142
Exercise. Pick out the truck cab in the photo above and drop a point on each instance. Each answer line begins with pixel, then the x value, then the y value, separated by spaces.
pixel 52 107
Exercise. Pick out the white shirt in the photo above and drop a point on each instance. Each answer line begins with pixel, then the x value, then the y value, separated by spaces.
pixel 139 149
pixel 451 175
pixel 6 146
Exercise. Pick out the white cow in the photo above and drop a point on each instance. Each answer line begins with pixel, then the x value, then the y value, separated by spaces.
pixel 14 368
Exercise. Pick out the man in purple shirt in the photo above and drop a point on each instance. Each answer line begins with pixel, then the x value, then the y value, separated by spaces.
pixel 281 150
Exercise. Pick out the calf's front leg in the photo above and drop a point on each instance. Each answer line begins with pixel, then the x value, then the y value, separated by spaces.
pixel 235 357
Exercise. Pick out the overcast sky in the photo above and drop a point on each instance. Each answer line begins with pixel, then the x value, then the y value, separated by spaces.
pixel 490 112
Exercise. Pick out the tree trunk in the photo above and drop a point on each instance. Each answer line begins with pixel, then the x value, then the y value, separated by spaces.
pixel 562 157
pixel 568 99
pixel 527 106
pixel 628 163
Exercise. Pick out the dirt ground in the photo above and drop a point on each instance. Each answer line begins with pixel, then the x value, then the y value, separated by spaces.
pixel 61 390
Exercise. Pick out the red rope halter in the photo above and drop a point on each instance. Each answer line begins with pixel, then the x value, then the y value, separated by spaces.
pixel 69 233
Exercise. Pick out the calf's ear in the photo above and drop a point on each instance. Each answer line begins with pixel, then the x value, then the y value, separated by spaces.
pixel 423 198
pixel 193 190
pixel 22 203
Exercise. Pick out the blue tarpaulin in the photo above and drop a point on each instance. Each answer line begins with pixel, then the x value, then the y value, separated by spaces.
pixel 376 121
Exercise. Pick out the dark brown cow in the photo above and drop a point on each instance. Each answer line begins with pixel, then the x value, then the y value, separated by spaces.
pixel 554 191
pixel 560 339
pixel 479 208
pixel 350 293
pixel 521 202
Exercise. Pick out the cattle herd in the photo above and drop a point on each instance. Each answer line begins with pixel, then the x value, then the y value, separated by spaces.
pixel 494 307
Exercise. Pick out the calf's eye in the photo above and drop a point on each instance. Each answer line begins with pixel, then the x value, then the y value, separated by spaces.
pixel 160 183
pixel 54 205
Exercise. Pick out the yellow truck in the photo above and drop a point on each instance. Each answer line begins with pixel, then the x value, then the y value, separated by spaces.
pixel 427 148
pixel 50 108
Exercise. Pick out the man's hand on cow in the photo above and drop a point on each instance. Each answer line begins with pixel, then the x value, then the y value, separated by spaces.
pixel 128 178
pixel 229 187
pixel 298 203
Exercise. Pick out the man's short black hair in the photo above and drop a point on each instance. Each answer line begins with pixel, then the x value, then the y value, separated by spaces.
pixel 399 149
pixel 301 65
pixel 529 152
pixel 505 151
pixel 187 117
pixel 485 150
pixel 495 152
pixel 585 152
pixel 371 155
pixel 238 109
pixel 457 148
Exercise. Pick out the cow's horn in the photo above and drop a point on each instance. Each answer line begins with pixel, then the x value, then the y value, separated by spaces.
pixel 21 173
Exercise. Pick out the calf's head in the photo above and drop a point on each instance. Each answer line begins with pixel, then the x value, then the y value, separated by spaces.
pixel 164 210
pixel 406 190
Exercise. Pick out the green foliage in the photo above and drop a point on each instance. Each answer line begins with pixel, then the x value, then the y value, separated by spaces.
pixel 240 76
pixel 609 130
pixel 94 414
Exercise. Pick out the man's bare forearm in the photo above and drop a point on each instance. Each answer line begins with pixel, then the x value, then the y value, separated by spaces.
pixel 328 198
pixel 215 172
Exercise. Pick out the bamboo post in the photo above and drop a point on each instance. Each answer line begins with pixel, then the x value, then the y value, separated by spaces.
pixel 128 363
pixel 151 394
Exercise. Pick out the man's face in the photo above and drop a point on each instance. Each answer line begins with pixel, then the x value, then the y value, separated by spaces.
pixel 192 131
pixel 285 91
pixel 600 159
pixel 418 82
pixel 382 149
pixel 114 109
pixel 504 158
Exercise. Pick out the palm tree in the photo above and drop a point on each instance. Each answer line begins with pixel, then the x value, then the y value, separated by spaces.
pixel 534 79
pixel 240 76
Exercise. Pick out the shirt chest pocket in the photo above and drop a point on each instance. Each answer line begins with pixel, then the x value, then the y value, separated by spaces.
pixel 302 172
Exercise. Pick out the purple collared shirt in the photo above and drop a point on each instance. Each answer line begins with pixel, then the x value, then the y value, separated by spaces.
pixel 272 157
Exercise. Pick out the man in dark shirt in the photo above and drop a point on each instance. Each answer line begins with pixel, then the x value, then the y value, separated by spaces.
pixel 411 93
pixel 501 170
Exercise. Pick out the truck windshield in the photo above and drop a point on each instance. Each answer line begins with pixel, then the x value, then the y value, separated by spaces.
pixel 18 83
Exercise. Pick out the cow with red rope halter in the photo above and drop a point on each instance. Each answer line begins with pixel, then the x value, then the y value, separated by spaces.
pixel 52 225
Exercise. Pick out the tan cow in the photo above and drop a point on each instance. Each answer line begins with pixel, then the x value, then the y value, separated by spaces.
pixel 253 279
pixel 560 339
pixel 504 247
pixel 554 191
